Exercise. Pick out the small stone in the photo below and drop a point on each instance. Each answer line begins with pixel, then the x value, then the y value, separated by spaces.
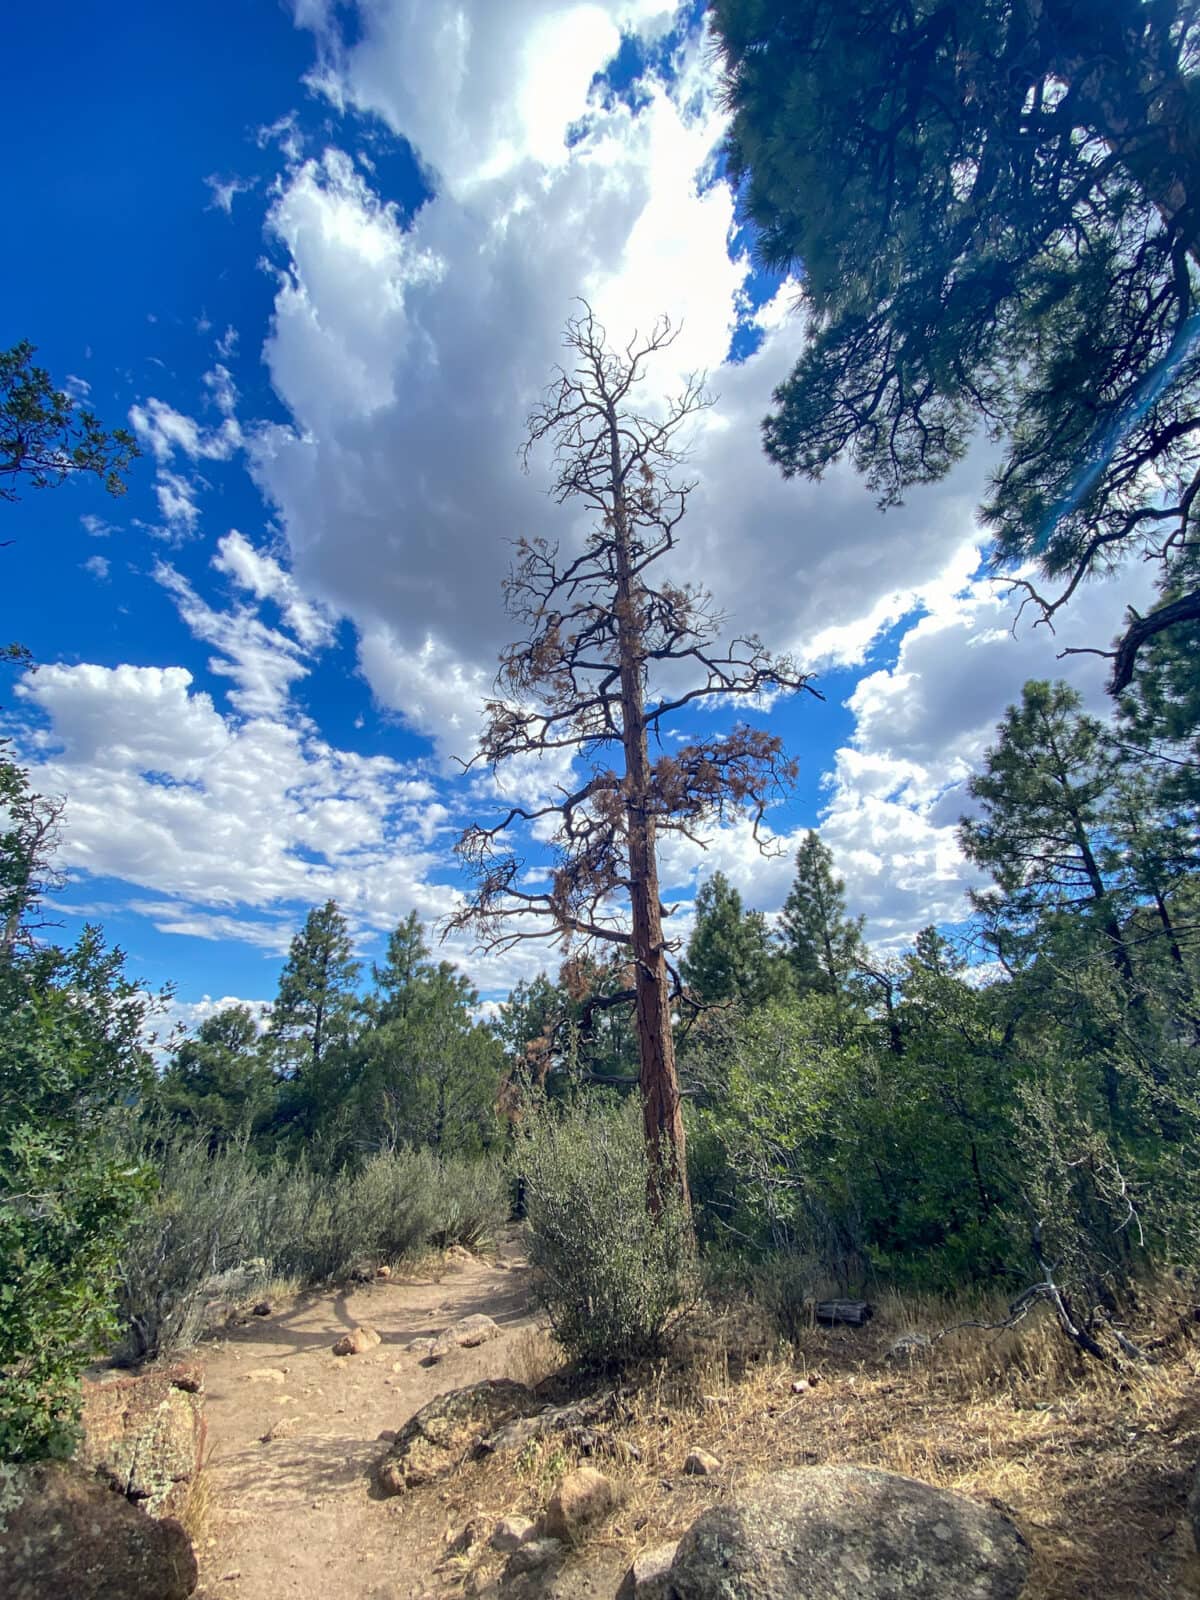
pixel 383 1272
pixel 700 1464
pixel 266 1375
pixel 582 1497
pixel 532 1557
pixel 281 1428
pixel 262 1309
pixel 647 1577
pixel 357 1342
pixel 510 1533
pixel 801 1386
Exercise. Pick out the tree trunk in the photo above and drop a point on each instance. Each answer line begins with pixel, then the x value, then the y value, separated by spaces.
pixel 662 1112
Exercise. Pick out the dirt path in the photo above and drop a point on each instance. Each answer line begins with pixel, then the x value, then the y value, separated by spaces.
pixel 295 1516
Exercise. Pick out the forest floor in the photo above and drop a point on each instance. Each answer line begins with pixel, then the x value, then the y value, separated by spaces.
pixel 1095 1467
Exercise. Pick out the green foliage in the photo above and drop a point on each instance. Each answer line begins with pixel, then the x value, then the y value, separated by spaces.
pixel 729 955
pixel 46 436
pixel 822 944
pixel 614 1279
pixel 71 1060
pixel 219 1080
pixel 989 206
pixel 221 1217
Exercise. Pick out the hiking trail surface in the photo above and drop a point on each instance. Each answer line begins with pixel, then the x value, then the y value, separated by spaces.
pixel 297 1514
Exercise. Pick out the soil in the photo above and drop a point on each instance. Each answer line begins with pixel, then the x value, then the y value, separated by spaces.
pixel 298 1515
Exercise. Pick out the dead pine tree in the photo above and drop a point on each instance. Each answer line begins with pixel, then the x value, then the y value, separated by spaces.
pixel 607 656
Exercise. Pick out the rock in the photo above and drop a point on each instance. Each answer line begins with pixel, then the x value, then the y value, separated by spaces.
pixel 583 1496
pixel 417 1347
pixel 1193 1506
pixel 910 1347
pixel 442 1433
pixel 648 1576
pixel 532 1557
pixel 281 1428
pixel 465 1539
pixel 357 1342
pixel 266 1375
pixel 145 1436
pixel 383 1272
pixel 63 1534
pixel 849 1533
pixel 465 1334
pixel 700 1464
pixel 512 1532
pixel 575 1421
pixel 264 1308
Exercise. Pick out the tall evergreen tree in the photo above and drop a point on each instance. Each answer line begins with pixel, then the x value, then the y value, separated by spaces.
pixel 1041 833
pixel 822 944
pixel 729 955
pixel 314 1007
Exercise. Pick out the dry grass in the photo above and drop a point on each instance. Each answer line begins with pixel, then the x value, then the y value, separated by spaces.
pixel 1094 1465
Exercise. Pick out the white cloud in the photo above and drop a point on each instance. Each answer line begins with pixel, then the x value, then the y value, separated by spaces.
pixel 477 89
pixel 225 191
pixel 97 566
pixel 263 576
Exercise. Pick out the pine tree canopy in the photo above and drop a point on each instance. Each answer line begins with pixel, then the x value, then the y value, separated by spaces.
pixel 995 211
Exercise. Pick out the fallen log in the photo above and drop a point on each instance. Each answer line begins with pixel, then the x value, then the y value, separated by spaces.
pixel 852 1312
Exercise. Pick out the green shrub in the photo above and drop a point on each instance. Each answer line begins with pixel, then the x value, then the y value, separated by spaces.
pixel 71 1056
pixel 473 1203
pixel 221 1225
pixel 614 1280
pixel 206 1219
pixel 61 1222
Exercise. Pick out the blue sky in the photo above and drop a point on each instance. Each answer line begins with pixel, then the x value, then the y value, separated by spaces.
pixel 319 256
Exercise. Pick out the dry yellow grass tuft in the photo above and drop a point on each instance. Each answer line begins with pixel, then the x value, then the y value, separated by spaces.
pixel 1093 1464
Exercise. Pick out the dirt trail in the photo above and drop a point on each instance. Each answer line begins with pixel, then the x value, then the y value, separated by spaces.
pixel 296 1516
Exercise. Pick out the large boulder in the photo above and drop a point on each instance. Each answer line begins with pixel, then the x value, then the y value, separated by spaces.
pixel 849 1533
pixel 442 1434
pixel 64 1534
pixel 145 1435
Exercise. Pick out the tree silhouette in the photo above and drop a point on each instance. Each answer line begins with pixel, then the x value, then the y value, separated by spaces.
pixel 601 666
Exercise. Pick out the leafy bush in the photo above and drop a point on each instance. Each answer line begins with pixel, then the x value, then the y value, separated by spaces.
pixel 70 1051
pixel 614 1280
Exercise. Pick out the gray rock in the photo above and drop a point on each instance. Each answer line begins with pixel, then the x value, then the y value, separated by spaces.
pixel 532 1557
pixel 63 1534
pixel 465 1335
pixel 910 1347
pixel 510 1533
pixel 649 1575
pixel 849 1533
pixel 444 1432
pixel 700 1464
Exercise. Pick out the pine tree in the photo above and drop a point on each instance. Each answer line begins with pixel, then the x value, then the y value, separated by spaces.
pixel 729 955
pixel 219 1080
pixel 1042 828
pixel 993 209
pixel 822 944
pixel 590 674
pixel 315 1004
